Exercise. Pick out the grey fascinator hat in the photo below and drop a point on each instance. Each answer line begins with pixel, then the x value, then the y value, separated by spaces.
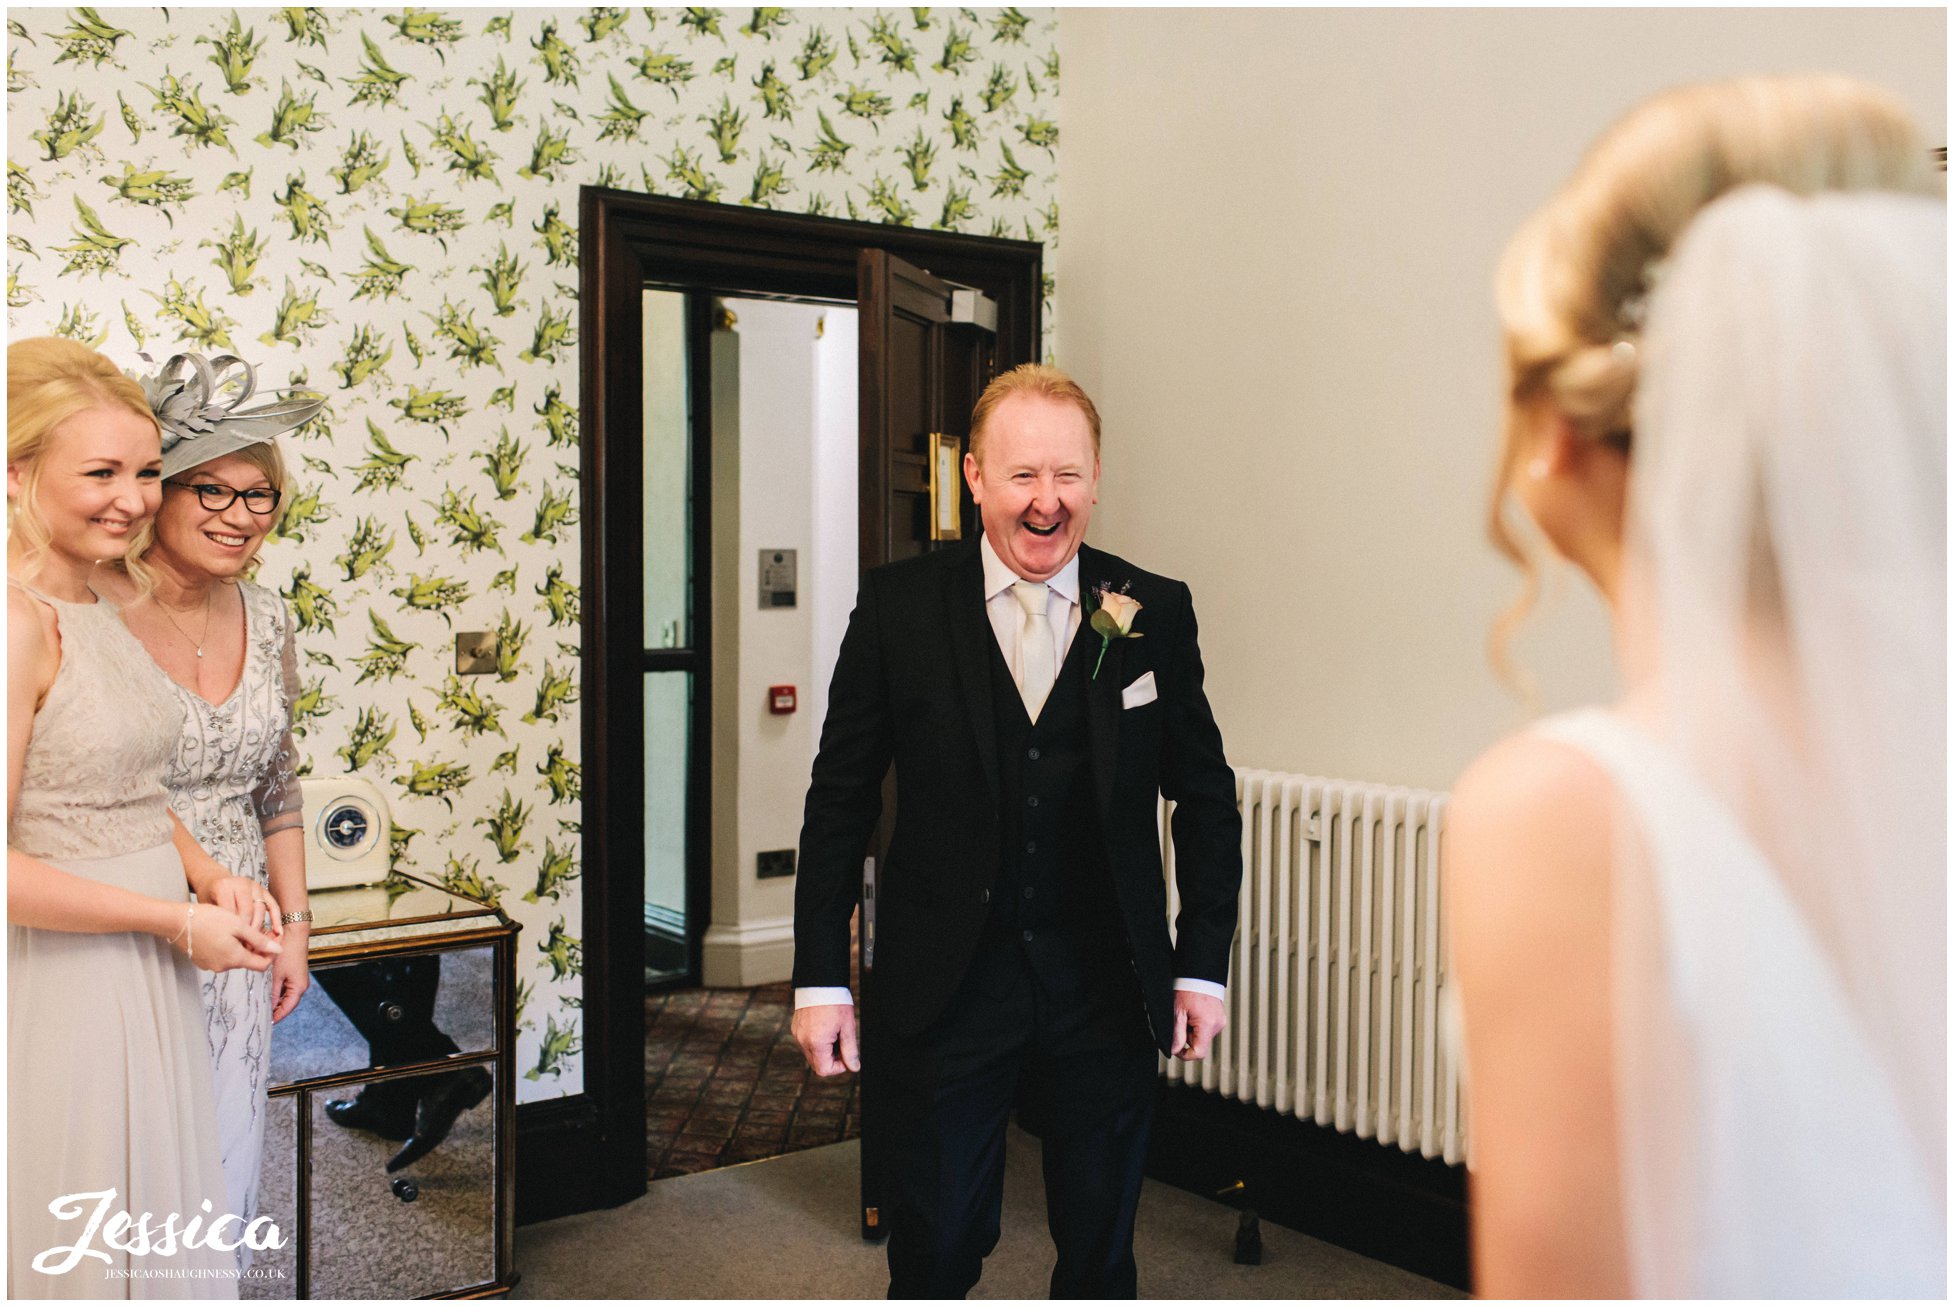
pixel 199 403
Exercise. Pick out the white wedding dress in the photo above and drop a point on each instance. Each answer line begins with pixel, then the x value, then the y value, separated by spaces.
pixel 1801 1179
pixel 1780 905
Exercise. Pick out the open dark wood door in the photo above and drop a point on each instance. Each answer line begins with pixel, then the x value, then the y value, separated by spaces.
pixel 921 373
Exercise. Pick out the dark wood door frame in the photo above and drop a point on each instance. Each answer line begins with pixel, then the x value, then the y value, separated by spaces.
pixel 587 1150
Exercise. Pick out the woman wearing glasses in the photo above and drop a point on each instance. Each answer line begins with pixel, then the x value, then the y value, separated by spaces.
pixel 110 1113
pixel 226 645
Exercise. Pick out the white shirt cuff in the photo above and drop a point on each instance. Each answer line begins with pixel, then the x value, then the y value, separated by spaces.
pixel 1188 983
pixel 822 995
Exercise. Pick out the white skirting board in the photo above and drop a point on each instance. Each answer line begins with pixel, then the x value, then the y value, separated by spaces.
pixel 748 953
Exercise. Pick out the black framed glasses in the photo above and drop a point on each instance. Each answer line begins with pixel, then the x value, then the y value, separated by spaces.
pixel 215 498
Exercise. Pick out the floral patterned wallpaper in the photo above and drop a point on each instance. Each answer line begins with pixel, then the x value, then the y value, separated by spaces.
pixel 381 205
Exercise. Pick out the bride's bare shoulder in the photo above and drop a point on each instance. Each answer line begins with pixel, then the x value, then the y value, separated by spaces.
pixel 1528 773
pixel 1528 837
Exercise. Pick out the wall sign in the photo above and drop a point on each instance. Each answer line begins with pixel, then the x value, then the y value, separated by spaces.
pixel 777 578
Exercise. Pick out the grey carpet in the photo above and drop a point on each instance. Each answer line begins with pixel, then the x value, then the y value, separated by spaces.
pixel 788 1227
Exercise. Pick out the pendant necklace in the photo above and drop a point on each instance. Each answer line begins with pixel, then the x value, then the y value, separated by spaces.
pixel 198 642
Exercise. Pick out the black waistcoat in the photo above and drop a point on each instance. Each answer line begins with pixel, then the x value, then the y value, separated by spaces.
pixel 1054 893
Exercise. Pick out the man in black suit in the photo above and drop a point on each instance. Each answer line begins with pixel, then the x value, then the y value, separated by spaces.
pixel 1036 696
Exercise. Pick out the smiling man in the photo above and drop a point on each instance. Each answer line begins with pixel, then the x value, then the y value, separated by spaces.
pixel 1036 697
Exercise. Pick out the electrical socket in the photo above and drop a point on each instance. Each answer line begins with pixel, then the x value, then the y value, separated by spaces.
pixel 776 862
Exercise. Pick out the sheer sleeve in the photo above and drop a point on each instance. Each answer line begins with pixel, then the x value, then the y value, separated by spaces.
pixel 277 798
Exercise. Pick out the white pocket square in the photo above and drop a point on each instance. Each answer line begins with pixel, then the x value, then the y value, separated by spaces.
pixel 1140 692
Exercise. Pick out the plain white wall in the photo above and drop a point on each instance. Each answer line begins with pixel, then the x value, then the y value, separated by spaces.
pixel 833 565
pixel 784 447
pixel 1280 233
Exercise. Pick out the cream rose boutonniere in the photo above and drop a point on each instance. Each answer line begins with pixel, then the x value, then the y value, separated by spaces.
pixel 1113 619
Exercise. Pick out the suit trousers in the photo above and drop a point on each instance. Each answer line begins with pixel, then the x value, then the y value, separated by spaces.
pixel 1067 1038
pixel 390 1001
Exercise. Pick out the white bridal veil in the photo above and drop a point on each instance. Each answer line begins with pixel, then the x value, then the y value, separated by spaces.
pixel 1783 1001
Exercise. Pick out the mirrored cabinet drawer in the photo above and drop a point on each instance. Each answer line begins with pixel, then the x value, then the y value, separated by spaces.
pixel 428 1227
pixel 387 1163
pixel 395 1010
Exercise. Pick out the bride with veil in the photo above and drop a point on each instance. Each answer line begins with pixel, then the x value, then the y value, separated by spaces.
pixel 1700 935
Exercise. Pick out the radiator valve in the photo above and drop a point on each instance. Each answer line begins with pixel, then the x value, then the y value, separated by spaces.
pixel 1248 1239
pixel 1248 1230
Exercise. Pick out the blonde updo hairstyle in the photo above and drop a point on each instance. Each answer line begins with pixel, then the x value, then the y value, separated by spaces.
pixel 49 380
pixel 1574 278
pixel 264 456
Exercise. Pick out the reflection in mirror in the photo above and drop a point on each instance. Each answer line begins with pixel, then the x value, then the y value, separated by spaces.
pixel 421 1228
pixel 389 1011
pixel 274 1273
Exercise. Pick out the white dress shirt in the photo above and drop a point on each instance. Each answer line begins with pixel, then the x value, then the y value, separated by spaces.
pixel 1062 611
pixel 1007 623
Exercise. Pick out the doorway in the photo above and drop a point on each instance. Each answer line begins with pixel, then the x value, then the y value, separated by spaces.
pixel 588 1150
pixel 776 432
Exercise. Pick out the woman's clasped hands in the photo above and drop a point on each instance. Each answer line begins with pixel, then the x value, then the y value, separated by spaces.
pixel 234 923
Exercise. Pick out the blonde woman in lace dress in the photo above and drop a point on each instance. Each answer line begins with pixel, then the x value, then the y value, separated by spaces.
pixel 226 646
pixel 1700 934
pixel 109 1108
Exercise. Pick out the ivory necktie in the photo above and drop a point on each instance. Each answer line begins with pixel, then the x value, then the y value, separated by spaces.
pixel 1036 658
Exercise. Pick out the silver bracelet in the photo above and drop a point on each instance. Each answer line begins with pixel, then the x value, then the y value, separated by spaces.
pixel 297 918
pixel 188 909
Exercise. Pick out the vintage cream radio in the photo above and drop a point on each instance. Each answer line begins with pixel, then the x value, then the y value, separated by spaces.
pixel 348 832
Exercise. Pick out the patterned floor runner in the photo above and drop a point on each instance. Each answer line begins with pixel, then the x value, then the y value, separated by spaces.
pixel 724 1082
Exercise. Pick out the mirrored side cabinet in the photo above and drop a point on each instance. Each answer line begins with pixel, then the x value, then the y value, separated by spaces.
pixel 390 1119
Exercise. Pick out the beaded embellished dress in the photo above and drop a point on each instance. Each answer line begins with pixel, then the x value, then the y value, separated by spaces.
pixel 232 782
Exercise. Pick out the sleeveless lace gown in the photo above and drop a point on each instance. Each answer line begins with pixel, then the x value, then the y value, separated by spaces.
pixel 231 781
pixel 1787 1171
pixel 109 1085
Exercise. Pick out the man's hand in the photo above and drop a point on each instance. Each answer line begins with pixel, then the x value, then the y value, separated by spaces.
pixel 818 1029
pixel 1198 1018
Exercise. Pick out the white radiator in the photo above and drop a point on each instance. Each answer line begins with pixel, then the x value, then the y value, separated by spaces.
pixel 1337 998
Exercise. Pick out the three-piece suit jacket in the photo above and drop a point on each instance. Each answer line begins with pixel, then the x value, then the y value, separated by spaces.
pixel 914 685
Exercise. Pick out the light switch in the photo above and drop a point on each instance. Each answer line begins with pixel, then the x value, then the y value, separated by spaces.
pixel 475 653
